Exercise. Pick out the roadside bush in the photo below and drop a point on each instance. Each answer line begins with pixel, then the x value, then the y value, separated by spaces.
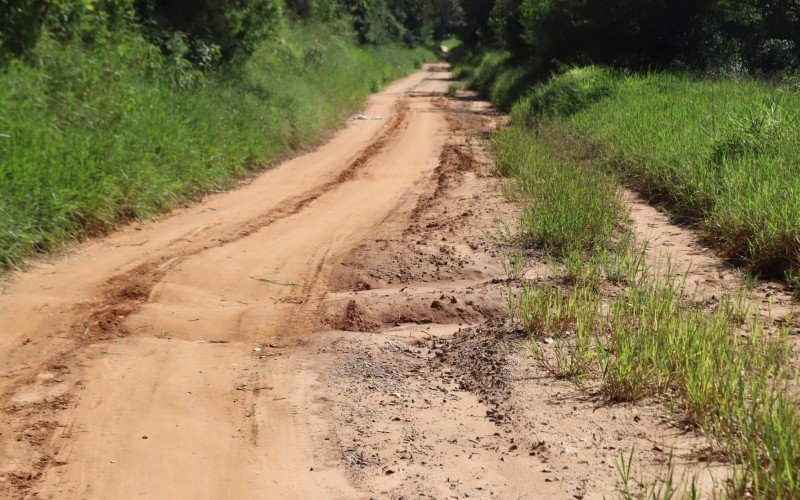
pixel 20 26
pixel 320 10
pixel 748 36
pixel 91 135
pixel 487 70
pixel 508 86
pixel 566 94
pixel 22 22
pixel 223 27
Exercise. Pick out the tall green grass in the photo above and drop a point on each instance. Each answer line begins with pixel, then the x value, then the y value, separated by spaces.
pixel 94 135
pixel 582 213
pixel 648 339
pixel 574 91
pixel 722 154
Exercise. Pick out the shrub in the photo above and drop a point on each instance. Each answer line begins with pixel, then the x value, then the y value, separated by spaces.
pixel 224 26
pixel 566 94
pixel 508 86
pixel 485 73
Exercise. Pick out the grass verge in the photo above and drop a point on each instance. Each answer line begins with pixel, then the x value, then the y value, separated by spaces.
pixel 92 136
pixel 718 370
pixel 720 154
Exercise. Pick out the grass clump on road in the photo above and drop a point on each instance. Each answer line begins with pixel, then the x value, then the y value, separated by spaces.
pixel 91 135
pixel 569 207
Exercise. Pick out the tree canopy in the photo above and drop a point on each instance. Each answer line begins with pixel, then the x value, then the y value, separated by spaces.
pixel 745 35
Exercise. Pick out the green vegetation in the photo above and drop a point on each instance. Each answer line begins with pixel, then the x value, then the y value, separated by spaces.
pixel 720 154
pixel 451 43
pixel 724 36
pixel 571 92
pixel 99 129
pixel 724 155
pixel 649 339
pixel 693 104
pixel 580 215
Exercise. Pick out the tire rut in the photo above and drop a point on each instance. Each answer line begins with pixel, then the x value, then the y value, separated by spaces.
pixel 123 295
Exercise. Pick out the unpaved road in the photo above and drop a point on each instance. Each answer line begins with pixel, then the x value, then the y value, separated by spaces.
pixel 132 367
pixel 310 335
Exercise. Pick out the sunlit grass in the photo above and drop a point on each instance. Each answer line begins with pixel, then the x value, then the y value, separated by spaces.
pixel 718 153
pixel 583 211
pixel 90 137
pixel 721 153
pixel 719 370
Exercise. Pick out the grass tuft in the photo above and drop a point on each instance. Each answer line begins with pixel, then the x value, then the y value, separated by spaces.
pixel 569 207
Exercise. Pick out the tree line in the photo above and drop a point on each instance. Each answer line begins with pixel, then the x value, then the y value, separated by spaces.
pixel 755 36
pixel 210 32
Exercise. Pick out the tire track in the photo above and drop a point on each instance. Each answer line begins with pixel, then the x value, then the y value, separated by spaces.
pixel 123 295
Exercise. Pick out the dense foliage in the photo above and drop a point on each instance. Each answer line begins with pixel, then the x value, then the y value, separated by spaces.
pixel 113 110
pixel 730 35
pixel 208 32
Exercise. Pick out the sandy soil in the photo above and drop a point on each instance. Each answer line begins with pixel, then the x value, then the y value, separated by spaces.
pixel 138 364
pixel 332 329
pixel 680 251
pixel 436 403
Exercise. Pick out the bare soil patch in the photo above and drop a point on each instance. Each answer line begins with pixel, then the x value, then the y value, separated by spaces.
pixel 437 396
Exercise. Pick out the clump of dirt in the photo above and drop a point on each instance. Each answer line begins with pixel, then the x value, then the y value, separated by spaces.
pixel 438 238
pixel 375 310
pixel 479 356
pixel 123 296
pixel 354 319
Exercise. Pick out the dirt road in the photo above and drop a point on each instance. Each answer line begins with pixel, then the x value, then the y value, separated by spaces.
pixel 137 361
pixel 295 339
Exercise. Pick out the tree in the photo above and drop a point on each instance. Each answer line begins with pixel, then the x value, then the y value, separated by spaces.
pixel 476 30
pixel 23 21
pixel 20 25
pixel 416 18
pixel 447 18
pixel 506 25
pixel 226 26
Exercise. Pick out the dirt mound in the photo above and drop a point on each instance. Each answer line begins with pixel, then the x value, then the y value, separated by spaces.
pixel 353 319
